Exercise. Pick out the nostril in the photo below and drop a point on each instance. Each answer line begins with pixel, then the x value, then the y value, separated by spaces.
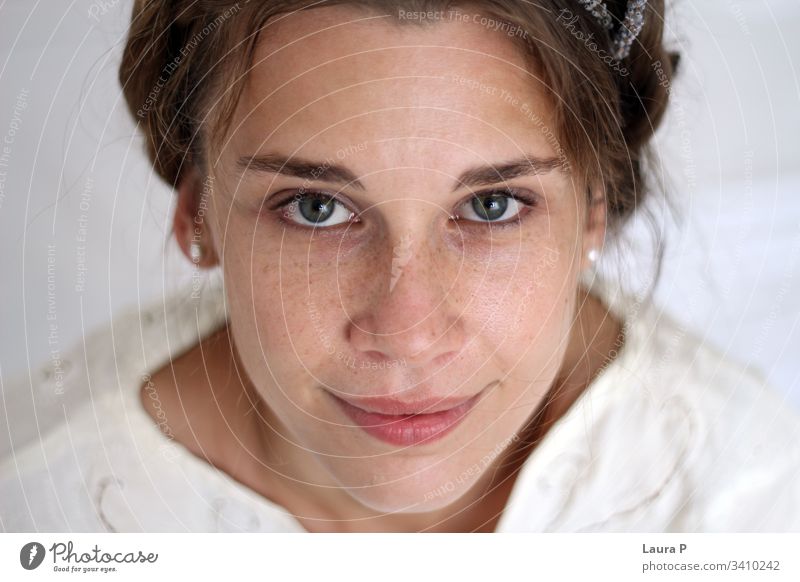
pixel 443 360
pixel 374 356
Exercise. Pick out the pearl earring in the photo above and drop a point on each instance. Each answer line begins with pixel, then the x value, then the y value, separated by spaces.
pixel 196 251
pixel 593 255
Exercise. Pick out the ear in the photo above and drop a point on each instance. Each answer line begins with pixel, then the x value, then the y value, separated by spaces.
pixel 189 222
pixel 594 233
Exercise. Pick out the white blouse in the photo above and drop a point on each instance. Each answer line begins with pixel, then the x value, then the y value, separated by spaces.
pixel 671 436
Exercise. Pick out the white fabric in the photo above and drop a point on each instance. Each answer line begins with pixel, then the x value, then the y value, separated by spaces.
pixel 671 436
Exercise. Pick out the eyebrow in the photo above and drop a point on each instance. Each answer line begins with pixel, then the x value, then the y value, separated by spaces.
pixel 299 168
pixel 496 173
pixel 326 171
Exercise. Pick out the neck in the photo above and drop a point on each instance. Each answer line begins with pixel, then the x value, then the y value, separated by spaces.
pixel 595 339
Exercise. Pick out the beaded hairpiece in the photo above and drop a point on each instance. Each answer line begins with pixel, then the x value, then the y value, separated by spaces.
pixel 629 29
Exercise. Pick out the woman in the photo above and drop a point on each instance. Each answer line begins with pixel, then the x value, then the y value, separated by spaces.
pixel 404 201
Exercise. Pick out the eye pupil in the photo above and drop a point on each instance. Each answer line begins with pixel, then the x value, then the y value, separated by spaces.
pixel 317 209
pixel 490 207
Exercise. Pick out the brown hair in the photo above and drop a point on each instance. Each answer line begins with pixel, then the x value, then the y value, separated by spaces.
pixel 604 115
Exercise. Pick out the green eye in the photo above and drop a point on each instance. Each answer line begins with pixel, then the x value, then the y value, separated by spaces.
pixel 316 209
pixel 491 207
pixel 497 206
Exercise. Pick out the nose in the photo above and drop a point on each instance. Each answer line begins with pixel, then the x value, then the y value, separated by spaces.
pixel 413 318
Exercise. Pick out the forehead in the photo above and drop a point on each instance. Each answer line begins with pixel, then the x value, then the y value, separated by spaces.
pixel 325 78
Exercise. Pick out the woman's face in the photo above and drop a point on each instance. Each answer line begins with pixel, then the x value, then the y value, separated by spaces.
pixel 444 268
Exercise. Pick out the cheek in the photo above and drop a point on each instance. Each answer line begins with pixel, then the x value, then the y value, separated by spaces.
pixel 271 315
pixel 532 292
pixel 288 324
pixel 277 320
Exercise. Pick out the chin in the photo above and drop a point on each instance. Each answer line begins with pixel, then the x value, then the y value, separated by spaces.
pixel 416 490
pixel 396 499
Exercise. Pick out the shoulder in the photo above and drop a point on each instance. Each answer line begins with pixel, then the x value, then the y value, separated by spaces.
pixel 66 418
pixel 742 459
pixel 730 400
pixel 45 483
pixel 672 435
pixel 70 422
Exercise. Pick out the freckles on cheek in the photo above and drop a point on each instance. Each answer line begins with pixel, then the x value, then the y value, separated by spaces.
pixel 514 282
pixel 294 304
pixel 272 271
pixel 531 323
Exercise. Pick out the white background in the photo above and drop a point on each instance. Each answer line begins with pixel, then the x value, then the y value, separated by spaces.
pixel 356 557
pixel 729 146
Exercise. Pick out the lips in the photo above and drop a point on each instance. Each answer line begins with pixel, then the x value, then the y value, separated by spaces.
pixel 393 407
pixel 407 424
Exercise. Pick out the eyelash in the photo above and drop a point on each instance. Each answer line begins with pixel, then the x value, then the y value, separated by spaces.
pixel 528 201
pixel 295 196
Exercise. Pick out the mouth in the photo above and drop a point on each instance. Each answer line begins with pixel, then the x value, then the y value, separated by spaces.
pixel 407 424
